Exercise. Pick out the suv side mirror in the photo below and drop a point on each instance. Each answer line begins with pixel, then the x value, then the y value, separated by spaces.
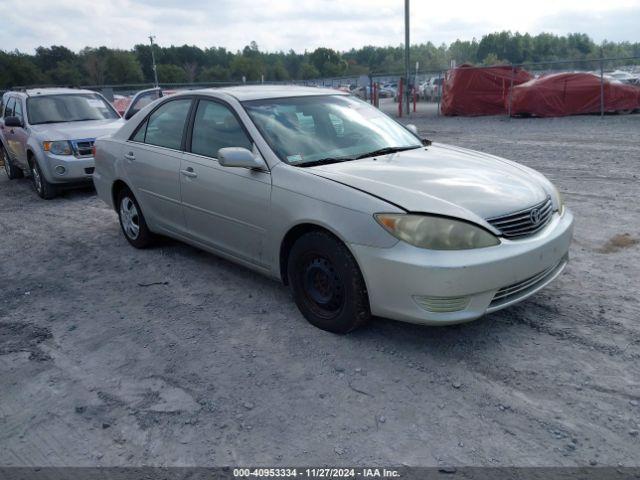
pixel 412 128
pixel 13 122
pixel 238 157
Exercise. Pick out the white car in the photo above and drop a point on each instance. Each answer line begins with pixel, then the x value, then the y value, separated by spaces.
pixel 327 194
pixel 48 133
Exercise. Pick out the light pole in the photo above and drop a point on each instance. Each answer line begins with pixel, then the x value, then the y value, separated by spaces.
pixel 153 62
pixel 407 46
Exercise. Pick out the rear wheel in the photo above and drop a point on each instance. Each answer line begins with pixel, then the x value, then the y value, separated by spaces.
pixel 132 221
pixel 9 168
pixel 43 188
pixel 327 285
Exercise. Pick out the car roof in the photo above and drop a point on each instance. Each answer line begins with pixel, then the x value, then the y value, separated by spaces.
pixel 262 92
pixel 34 92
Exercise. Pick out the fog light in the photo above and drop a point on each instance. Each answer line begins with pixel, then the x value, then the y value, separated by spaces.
pixel 60 170
pixel 442 304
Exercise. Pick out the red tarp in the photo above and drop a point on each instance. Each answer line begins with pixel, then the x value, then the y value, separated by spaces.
pixel 563 94
pixel 473 91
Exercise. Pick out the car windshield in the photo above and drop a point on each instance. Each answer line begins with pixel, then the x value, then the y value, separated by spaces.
pixel 307 130
pixel 77 107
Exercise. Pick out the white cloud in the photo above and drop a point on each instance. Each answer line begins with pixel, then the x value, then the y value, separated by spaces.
pixel 285 24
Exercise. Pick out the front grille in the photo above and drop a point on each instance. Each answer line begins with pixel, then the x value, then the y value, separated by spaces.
pixel 525 287
pixel 524 223
pixel 83 148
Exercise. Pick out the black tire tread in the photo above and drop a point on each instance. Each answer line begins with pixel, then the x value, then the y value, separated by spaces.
pixel 359 296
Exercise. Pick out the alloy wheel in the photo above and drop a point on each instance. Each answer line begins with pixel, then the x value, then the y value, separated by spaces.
pixel 129 217
pixel 37 179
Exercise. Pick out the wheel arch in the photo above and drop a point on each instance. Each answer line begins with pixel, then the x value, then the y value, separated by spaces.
pixel 117 186
pixel 293 234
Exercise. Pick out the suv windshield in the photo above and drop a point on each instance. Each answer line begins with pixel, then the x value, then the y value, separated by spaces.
pixel 76 107
pixel 306 130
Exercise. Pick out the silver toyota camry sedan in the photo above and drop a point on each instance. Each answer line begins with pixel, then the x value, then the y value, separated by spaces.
pixel 355 212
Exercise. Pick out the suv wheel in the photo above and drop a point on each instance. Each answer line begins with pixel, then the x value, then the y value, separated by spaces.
pixel 10 169
pixel 327 285
pixel 132 220
pixel 43 188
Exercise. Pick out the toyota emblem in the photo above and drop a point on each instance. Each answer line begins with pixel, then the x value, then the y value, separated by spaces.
pixel 534 216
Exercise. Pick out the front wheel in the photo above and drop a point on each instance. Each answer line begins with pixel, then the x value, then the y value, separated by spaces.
pixel 132 221
pixel 327 284
pixel 9 168
pixel 43 188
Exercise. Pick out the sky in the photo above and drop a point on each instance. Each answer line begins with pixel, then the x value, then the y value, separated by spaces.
pixel 301 24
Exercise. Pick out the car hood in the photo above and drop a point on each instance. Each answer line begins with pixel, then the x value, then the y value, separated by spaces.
pixel 442 179
pixel 77 130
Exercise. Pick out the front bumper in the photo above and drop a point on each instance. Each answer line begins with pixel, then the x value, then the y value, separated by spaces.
pixel 446 287
pixel 76 170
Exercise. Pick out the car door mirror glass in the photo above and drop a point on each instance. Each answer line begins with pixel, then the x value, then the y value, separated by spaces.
pixel 238 157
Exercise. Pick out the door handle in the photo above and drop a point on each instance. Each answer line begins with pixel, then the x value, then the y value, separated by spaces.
pixel 189 173
pixel 130 156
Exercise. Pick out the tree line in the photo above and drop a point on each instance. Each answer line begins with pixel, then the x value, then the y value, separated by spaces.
pixel 58 65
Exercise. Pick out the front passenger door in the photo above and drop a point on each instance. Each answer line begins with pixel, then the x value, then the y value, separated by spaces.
pixel 225 207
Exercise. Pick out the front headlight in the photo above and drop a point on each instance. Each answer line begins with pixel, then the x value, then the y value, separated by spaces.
pixel 435 233
pixel 59 147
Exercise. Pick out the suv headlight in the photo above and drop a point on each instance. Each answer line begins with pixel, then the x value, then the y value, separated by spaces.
pixel 435 233
pixel 58 147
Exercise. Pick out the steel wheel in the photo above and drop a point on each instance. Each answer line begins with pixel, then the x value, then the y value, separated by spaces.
pixel 130 218
pixel 323 287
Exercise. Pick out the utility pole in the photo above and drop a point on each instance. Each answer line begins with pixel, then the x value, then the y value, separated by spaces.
pixel 153 61
pixel 407 45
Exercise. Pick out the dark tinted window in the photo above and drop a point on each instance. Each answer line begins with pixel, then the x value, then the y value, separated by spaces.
pixel 8 111
pixel 216 127
pixel 166 124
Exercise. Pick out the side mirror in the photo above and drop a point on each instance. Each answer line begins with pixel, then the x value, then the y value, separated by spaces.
pixel 238 157
pixel 13 122
pixel 412 128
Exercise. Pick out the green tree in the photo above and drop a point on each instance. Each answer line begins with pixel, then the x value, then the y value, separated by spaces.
pixel 122 67
pixel 171 74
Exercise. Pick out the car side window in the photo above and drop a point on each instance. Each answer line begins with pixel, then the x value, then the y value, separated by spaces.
pixel 216 127
pixel 165 125
pixel 140 133
pixel 17 109
pixel 8 111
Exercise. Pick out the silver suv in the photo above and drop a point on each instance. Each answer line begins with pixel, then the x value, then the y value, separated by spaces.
pixel 48 133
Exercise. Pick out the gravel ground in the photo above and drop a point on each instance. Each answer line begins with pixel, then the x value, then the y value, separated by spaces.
pixel 171 356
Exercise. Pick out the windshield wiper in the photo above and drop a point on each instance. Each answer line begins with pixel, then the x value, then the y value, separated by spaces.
pixel 385 151
pixel 325 161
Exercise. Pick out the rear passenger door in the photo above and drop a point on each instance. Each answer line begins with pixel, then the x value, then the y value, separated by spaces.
pixel 225 207
pixel 152 158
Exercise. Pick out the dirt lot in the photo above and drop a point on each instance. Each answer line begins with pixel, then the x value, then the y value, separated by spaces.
pixel 170 356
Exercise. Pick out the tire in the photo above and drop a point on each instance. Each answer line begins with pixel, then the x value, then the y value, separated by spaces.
pixel 132 222
pixel 10 169
pixel 327 284
pixel 43 188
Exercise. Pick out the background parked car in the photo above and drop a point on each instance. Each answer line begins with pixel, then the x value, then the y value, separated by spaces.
pixel 431 89
pixel 49 134
pixel 578 93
